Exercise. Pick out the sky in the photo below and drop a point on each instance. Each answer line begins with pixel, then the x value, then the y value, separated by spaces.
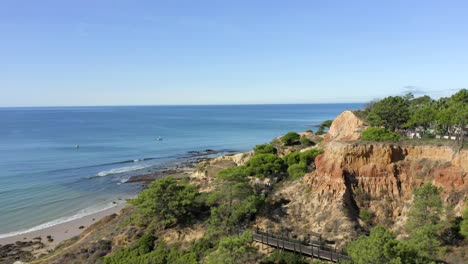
pixel 116 52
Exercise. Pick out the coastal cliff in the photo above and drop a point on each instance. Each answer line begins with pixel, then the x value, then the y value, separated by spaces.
pixel 352 178
pixel 378 178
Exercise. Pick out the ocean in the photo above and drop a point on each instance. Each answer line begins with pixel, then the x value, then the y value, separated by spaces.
pixel 60 163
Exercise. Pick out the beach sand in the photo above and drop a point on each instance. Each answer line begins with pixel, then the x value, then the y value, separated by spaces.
pixel 62 231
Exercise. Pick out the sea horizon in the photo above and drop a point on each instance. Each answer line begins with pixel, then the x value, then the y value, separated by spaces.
pixel 178 105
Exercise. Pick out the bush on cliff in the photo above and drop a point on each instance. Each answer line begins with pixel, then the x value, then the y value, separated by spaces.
pixel 308 157
pixel 290 139
pixel 381 246
pixel 297 170
pixel 325 124
pixel 146 252
pixel 232 201
pixel 306 142
pixel 464 223
pixel 424 221
pixel 264 165
pixel 264 149
pixel 233 249
pixel 379 134
pixel 292 158
pixel 167 201
pixel 284 257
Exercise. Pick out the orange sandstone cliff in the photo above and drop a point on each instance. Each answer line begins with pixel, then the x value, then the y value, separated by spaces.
pixel 352 176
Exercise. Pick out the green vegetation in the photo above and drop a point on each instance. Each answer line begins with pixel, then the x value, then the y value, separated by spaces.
pixel 233 249
pixel 447 116
pixel 306 142
pixel 297 170
pixel 464 222
pixel 298 162
pixel 379 134
pixel 264 165
pixel 366 215
pixel 146 252
pixel 381 246
pixel 232 200
pixel 424 228
pixel 424 220
pixel 167 202
pixel 290 139
pixel 264 149
pixel 309 156
pixel 391 112
pixel 284 258
pixel 325 124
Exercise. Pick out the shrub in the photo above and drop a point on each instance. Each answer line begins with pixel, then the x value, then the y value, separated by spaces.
pixel 297 170
pixel 366 215
pixel 379 134
pixel 464 223
pixel 292 158
pixel 381 246
pixel 290 139
pixel 264 149
pixel 284 257
pixel 325 124
pixel 309 156
pixel 306 157
pixel 263 165
pixel 233 249
pixel 306 142
pixel 167 201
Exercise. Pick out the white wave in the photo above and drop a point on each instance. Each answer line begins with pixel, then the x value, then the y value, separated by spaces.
pixel 80 214
pixel 121 170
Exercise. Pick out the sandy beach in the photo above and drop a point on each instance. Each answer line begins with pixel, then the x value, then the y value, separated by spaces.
pixel 62 231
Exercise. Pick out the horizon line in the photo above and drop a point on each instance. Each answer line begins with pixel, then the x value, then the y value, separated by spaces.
pixel 146 105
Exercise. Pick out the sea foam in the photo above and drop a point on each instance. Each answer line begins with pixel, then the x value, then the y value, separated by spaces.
pixel 121 170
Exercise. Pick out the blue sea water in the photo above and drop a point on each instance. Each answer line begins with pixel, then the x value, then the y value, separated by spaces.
pixel 46 179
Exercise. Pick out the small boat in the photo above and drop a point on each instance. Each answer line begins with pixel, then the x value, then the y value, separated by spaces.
pixel 77 146
pixel 159 139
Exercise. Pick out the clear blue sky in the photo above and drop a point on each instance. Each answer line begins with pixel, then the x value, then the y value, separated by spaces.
pixel 99 52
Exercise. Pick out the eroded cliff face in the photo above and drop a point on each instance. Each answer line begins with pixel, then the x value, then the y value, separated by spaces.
pixel 381 177
pixel 352 176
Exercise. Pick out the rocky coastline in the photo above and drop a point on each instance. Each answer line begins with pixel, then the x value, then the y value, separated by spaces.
pixel 27 246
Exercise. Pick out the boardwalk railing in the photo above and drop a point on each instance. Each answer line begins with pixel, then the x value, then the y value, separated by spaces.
pixel 313 250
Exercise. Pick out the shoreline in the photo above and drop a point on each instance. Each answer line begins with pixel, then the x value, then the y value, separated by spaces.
pixel 44 240
pixel 58 233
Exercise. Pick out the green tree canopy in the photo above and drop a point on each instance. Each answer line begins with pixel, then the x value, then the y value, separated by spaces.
pixel 381 246
pixel 167 200
pixel 391 112
pixel 264 165
pixel 233 249
pixel 290 139
pixel 265 149
pixel 424 221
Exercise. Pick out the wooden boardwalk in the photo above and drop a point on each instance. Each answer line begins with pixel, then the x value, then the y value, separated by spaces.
pixel 312 250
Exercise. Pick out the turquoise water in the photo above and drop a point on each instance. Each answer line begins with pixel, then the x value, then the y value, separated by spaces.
pixel 45 179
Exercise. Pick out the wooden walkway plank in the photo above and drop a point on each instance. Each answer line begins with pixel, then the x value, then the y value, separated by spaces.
pixel 310 250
